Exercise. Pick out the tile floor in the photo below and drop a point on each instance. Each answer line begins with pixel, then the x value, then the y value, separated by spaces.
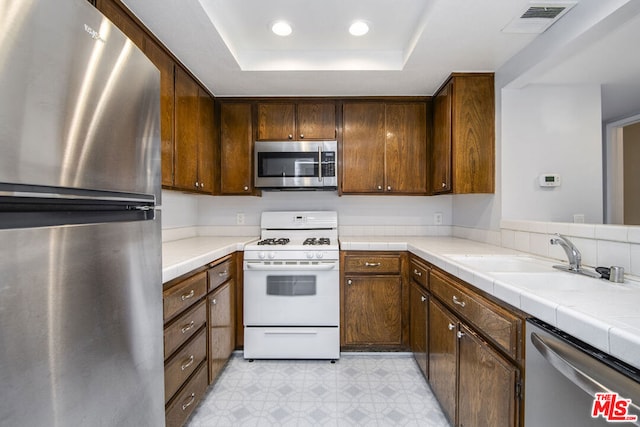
pixel 360 389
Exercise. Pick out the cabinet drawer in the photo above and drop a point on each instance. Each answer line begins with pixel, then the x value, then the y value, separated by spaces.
pixel 184 327
pixel 491 320
pixel 375 264
pixel 187 399
pixel 419 273
pixel 184 294
pixel 184 363
pixel 221 273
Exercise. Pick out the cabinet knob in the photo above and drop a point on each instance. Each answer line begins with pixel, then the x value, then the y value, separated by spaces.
pixel 388 188
pixel 451 326
pixel 444 185
pixel 423 298
pixel 197 184
pixel 302 136
pixel 379 187
pixel 290 136
pixel 214 301
pixel 349 282
pixel 460 334
pixel 246 188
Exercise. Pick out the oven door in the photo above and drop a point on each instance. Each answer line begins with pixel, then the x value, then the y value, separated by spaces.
pixel 295 294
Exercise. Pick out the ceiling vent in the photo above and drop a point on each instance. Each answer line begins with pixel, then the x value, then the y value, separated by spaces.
pixel 537 17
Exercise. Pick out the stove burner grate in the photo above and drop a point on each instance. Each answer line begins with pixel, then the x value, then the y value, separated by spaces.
pixel 273 241
pixel 317 241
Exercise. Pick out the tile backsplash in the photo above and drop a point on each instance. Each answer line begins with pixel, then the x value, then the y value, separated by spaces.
pixel 600 245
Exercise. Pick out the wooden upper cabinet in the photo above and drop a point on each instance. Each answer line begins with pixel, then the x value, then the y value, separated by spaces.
pixel 464 126
pixel 236 148
pixel 406 148
pixel 316 120
pixel 279 121
pixel 384 147
pixel 194 143
pixel 441 148
pixel 363 145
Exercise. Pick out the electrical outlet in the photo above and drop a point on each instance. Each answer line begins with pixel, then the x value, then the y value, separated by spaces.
pixel 240 218
pixel 437 218
pixel 578 218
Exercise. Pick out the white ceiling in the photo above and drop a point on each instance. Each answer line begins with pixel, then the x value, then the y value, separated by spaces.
pixel 413 45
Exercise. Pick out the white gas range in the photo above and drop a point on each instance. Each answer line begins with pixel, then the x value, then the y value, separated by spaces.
pixel 292 287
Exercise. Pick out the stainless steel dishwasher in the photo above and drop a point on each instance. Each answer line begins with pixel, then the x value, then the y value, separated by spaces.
pixel 563 376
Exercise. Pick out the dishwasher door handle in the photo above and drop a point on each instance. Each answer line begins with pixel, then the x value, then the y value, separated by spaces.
pixel 586 372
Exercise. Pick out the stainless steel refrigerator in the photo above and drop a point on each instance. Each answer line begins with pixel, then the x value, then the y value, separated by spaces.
pixel 80 244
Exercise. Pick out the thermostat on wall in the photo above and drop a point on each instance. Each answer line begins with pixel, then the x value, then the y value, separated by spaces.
pixel 549 180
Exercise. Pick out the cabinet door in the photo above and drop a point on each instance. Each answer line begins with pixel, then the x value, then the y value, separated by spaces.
pixel 276 121
pixel 441 149
pixel 443 355
pixel 406 148
pixel 166 66
pixel 363 145
pixel 487 387
pixel 186 131
pixel 236 149
pixel 221 328
pixel 418 307
pixel 473 139
pixel 373 310
pixel 205 142
pixel 316 120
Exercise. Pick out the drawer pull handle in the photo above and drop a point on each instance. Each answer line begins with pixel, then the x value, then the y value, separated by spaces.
pixel 188 362
pixel 188 326
pixel 423 298
pixel 451 326
pixel 458 302
pixel 192 398
pixel 417 273
pixel 188 295
pixel 371 264
pixel 223 273
pixel 460 334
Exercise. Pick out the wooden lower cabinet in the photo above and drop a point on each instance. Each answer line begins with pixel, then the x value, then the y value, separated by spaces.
pixel 443 357
pixel 475 384
pixel 373 310
pixel 374 303
pixel 418 310
pixel 487 384
pixel 199 334
pixel 221 328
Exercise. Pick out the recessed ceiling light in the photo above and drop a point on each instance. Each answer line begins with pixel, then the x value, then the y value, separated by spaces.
pixel 281 28
pixel 359 28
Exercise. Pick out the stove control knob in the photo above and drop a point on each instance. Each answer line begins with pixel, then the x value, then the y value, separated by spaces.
pixel 319 254
pixel 272 255
pixel 309 255
pixel 261 255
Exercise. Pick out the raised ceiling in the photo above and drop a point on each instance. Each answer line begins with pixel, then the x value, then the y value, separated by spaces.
pixel 410 49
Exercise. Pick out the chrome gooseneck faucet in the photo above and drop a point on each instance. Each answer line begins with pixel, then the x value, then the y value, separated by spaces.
pixel 573 255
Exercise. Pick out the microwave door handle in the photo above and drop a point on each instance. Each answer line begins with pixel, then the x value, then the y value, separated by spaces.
pixel 320 163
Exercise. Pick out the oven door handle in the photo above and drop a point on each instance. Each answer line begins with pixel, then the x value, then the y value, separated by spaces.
pixel 325 266
pixel 574 364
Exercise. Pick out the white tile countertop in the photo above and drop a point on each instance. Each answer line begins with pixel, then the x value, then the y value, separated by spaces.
pixel 599 312
pixel 182 256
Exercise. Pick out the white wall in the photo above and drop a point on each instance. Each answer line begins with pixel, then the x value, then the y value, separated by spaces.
pixel 179 209
pixel 552 129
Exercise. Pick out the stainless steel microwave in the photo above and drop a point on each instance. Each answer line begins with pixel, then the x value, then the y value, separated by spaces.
pixel 291 165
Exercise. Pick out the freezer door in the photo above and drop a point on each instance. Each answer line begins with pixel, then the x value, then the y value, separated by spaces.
pixel 80 102
pixel 81 325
